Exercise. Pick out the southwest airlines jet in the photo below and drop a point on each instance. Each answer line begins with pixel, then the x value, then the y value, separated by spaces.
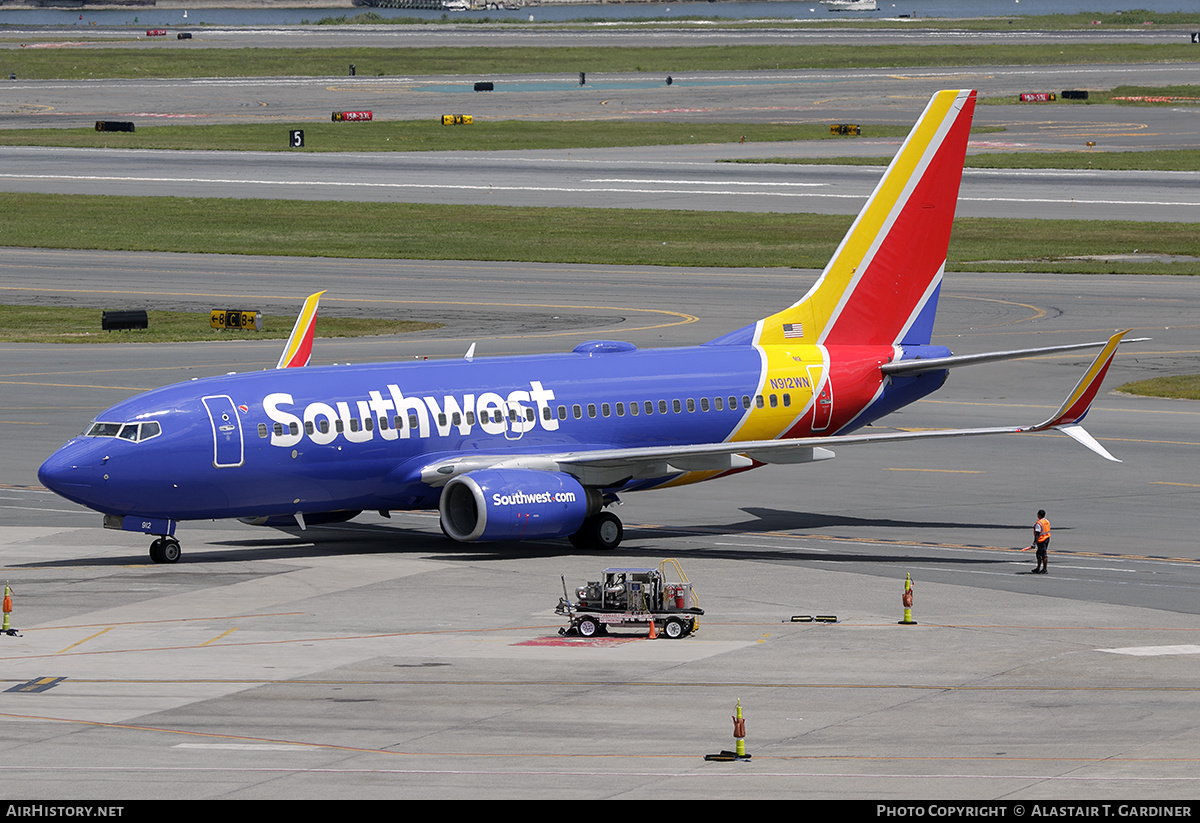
pixel 532 447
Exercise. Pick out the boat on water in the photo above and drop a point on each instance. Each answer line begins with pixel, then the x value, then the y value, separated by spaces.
pixel 850 5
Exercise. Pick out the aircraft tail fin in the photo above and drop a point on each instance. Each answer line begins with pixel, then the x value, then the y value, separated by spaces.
pixel 298 349
pixel 881 285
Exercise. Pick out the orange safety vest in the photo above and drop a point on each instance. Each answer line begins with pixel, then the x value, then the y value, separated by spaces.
pixel 1044 534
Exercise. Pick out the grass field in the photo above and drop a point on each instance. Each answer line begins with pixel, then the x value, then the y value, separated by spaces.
pixel 39 324
pixel 429 135
pixel 565 235
pixel 1184 387
pixel 172 60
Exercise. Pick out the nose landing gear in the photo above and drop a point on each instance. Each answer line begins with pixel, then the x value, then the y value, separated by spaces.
pixel 165 550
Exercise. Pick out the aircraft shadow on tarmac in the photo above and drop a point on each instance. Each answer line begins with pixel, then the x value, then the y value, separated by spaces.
pixel 786 520
pixel 283 543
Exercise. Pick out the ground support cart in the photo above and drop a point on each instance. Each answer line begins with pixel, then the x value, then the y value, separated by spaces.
pixel 632 596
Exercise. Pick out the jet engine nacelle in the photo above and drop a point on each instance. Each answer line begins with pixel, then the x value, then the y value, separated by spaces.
pixel 515 504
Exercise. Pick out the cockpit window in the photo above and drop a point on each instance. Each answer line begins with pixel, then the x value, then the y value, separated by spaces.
pixel 104 430
pixel 135 432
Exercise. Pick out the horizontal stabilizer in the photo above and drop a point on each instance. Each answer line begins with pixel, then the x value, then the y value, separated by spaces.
pixel 910 367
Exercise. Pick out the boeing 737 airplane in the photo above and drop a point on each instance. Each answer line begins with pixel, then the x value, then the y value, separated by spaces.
pixel 520 448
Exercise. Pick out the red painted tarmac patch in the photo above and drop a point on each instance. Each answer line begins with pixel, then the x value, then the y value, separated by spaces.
pixel 591 642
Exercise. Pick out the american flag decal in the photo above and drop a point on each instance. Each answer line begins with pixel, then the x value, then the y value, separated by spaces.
pixel 793 329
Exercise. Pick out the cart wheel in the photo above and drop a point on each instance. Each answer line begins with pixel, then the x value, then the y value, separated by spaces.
pixel 588 627
pixel 674 628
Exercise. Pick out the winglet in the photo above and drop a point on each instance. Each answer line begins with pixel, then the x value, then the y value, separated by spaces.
pixel 299 345
pixel 1076 406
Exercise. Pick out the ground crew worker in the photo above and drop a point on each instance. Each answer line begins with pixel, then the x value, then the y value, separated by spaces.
pixel 1041 541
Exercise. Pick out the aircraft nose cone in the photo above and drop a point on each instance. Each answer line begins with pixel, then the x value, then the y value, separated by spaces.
pixel 67 472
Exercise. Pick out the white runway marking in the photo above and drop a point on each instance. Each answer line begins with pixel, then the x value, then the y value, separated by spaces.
pixel 177 181
pixel 1154 651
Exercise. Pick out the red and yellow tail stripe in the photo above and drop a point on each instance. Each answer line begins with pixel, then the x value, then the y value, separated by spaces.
pixel 890 262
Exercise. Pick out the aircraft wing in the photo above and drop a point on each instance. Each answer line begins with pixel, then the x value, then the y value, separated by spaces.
pixel 606 467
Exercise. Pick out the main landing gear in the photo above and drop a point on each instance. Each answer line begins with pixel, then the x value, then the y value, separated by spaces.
pixel 165 550
pixel 600 532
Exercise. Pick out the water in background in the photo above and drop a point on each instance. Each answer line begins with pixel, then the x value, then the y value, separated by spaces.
pixel 178 18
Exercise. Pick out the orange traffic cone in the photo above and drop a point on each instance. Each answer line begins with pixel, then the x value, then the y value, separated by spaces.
pixel 653 631
pixel 7 629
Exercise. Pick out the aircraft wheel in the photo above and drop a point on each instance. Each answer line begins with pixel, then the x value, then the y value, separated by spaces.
pixel 165 550
pixel 674 628
pixel 171 551
pixel 602 532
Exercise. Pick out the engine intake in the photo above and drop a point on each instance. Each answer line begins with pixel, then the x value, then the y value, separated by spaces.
pixel 515 504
